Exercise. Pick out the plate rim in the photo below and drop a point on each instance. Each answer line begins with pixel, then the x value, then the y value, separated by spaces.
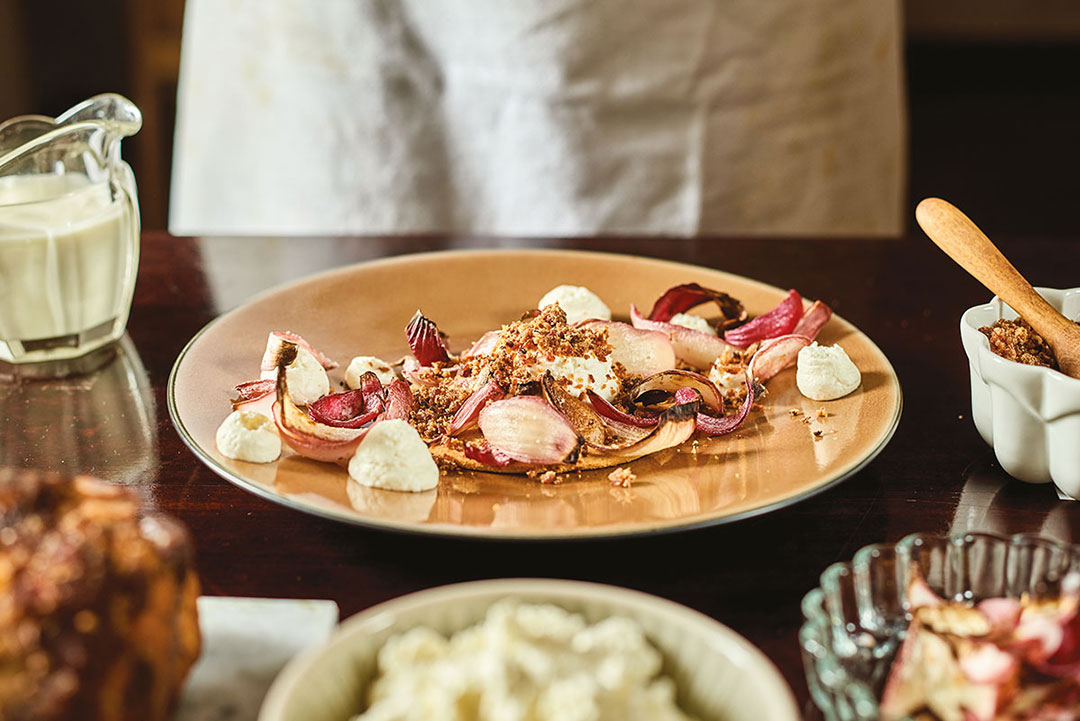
pixel 485 533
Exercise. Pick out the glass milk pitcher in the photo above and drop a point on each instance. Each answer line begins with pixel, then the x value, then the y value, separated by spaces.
pixel 69 231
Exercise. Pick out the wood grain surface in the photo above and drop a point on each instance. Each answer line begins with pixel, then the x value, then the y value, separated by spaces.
pixel 936 475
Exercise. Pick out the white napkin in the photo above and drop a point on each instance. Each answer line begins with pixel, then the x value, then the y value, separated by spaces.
pixel 540 117
pixel 246 642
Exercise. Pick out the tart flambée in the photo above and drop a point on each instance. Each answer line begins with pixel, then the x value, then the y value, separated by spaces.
pixel 542 394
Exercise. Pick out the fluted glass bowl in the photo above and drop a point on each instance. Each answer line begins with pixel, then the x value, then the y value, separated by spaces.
pixel 856 619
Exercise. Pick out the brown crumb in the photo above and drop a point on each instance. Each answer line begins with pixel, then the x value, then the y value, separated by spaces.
pixel 817 435
pixel 1017 341
pixel 549 477
pixel 622 477
pixel 795 412
pixel 822 413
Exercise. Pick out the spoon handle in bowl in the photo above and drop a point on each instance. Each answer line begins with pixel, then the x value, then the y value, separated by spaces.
pixel 961 239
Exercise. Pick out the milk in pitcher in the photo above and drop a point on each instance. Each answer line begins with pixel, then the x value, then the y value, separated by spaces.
pixel 68 255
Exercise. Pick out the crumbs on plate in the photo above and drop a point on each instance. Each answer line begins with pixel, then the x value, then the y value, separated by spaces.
pixel 622 477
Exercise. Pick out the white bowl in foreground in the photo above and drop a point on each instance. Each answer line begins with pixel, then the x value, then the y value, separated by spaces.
pixel 1030 415
pixel 718 673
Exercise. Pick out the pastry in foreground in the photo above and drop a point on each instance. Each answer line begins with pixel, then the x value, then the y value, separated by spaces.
pixel 1001 659
pixel 97 602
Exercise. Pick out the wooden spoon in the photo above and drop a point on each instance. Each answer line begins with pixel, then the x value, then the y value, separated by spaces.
pixel 962 241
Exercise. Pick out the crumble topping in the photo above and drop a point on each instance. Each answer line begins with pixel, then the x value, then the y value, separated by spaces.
pixel 544 337
pixel 525 347
pixel 1017 341
pixel 434 406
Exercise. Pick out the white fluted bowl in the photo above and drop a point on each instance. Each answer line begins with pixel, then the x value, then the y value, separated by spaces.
pixel 718 673
pixel 1029 415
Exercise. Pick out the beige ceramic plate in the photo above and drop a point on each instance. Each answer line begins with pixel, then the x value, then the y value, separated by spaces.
pixel 718 674
pixel 362 310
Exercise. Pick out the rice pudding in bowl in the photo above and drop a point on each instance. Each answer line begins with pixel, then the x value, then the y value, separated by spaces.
pixel 717 674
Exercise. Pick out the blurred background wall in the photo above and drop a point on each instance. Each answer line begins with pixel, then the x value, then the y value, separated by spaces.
pixel 994 95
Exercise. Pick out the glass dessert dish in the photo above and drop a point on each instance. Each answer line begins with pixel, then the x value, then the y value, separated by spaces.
pixel 69 235
pixel 857 619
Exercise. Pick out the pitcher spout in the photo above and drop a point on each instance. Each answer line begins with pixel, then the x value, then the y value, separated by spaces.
pixel 114 112
pixel 34 143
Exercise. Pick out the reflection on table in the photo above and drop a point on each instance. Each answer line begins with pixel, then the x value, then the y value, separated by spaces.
pixel 102 423
pixel 990 496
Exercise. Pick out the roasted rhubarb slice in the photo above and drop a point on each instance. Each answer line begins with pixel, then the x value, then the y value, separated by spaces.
pixel 309 438
pixel 692 347
pixel 350 409
pixel 779 321
pixel 776 354
pixel 813 319
pixel 279 341
pixel 468 416
pixel 641 352
pixel 529 430
pixel 426 342
pixel 682 298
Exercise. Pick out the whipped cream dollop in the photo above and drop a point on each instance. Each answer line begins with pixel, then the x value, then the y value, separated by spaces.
pixel 825 373
pixel 248 436
pixel 393 457
pixel 578 302
pixel 362 364
pixel 534 662
pixel 693 322
pixel 583 374
pixel 727 380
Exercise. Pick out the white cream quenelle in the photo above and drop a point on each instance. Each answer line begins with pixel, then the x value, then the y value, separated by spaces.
pixel 693 322
pixel 825 373
pixel 248 436
pixel 393 457
pixel 362 364
pixel 578 302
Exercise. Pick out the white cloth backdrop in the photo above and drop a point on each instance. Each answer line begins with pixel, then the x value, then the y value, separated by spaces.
pixel 540 117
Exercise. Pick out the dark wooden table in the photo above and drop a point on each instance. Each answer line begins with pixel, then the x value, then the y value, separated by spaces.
pixel 936 475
